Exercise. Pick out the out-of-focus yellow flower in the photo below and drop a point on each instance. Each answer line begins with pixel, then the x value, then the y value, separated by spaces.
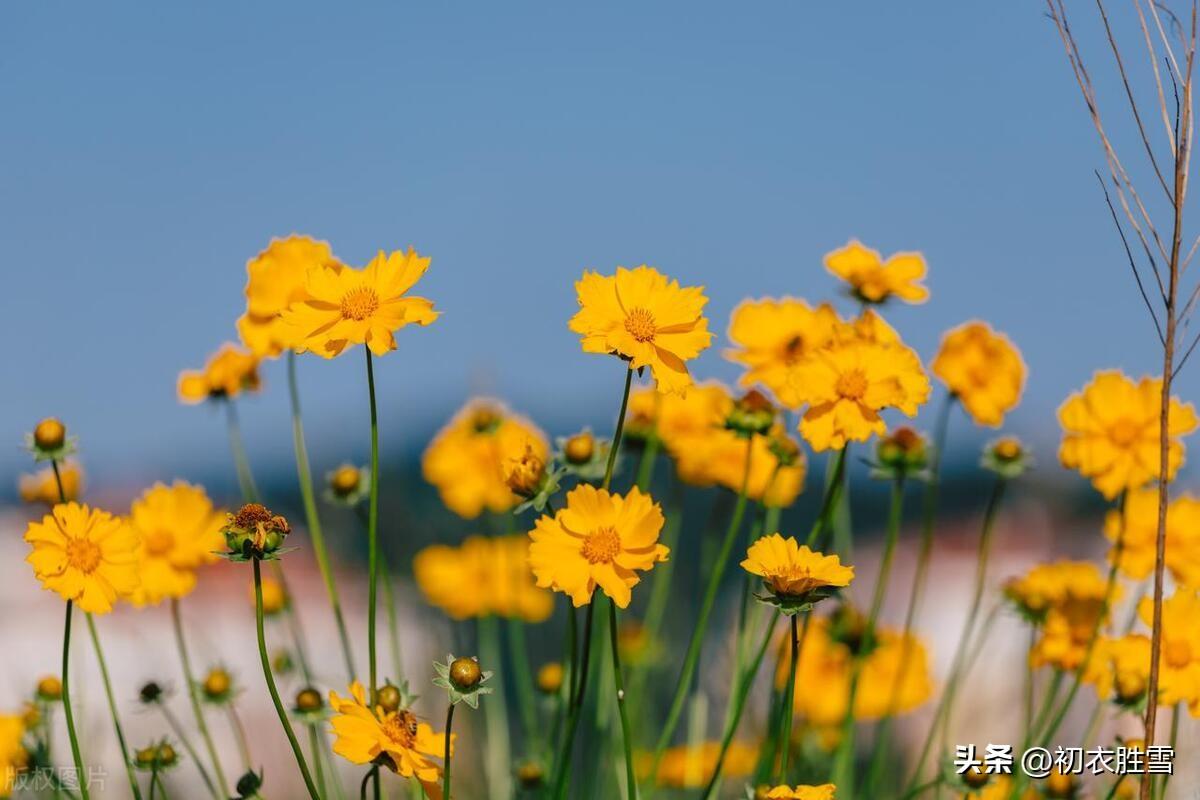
pixel 84 554
pixel 227 373
pixel 408 746
pixel 178 531
pixel 275 598
pixel 642 316
pixel 344 306
pixel 466 460
pixel 848 384
pixel 1179 657
pixel 824 792
pixel 687 424
pixel 1000 787
pixel 1076 592
pixel 550 677
pixel 600 540
pixel 772 337
pixel 793 571
pixel 276 280
pixel 13 756
pixel 772 481
pixel 1137 528
pixel 42 487
pixel 693 767
pixel 1110 432
pixel 873 280
pixel 983 369
pixel 895 676
pixel 1123 671
pixel 482 576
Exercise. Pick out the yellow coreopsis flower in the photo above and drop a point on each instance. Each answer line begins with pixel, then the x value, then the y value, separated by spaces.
pixel 1110 432
pixel 483 576
pixel 13 756
pixel 407 746
pixel 1137 530
pixel 42 486
pixel 85 555
pixel 1077 598
pixel 777 465
pixel 692 766
pixel 344 306
pixel 644 317
pixel 824 792
pixel 772 337
pixel 873 280
pixel 178 531
pixel 227 373
pixel 792 571
pixel 1179 657
pixel 983 369
pixel 275 280
pixel 600 540
pixel 687 425
pixel 467 459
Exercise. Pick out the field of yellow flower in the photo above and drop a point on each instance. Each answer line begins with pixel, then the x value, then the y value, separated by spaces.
pixel 728 592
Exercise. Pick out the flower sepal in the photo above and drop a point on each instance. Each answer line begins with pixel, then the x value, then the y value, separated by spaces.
pixel 462 679
pixel 790 605
pixel 49 441
pixel 1007 456
pixel 583 455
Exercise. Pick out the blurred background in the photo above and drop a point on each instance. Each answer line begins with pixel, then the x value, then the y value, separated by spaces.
pixel 149 151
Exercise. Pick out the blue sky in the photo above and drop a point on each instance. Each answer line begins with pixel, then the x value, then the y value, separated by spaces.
pixel 149 150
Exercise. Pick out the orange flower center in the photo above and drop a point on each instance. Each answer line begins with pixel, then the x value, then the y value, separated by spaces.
pixel 1124 432
pixel 159 543
pixel 852 385
pixel 793 349
pixel 1178 654
pixel 83 555
pixel 360 303
pixel 401 728
pixel 601 546
pixel 640 324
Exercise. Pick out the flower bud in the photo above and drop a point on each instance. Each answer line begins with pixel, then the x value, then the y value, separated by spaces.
pixel 282 662
pixel 217 685
pixel 254 532
pixel 580 448
pixel 249 784
pixel 1130 687
pixel 1006 457
pixel 50 434
pixel 146 757
pixel 465 673
pixel 976 778
pixel 309 700
pixel 903 450
pixel 530 775
pixel 550 677
pixel 752 413
pixel 167 755
pixel 526 474
pixel 1061 785
pixel 389 698
pixel 345 480
pixel 150 693
pixel 49 689
pixel 785 449
pixel 31 717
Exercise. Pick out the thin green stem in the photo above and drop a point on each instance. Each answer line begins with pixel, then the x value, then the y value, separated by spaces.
pixel 193 691
pixel 389 600
pixel 692 658
pixel 177 729
pixel 495 717
pixel 649 457
pixel 562 765
pixel 829 501
pixel 619 682
pixel 239 733
pixel 66 697
pixel 314 743
pixel 789 702
pixel 526 694
pixel 616 442
pixel 446 753
pixel 372 530
pixel 304 474
pixel 112 706
pixel 153 783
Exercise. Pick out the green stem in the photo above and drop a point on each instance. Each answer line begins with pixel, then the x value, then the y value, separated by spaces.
pixel 153 783
pixel 519 653
pixel 649 457
pixel 833 492
pixel 562 766
pixel 616 442
pixel 314 742
pixel 194 696
pixel 389 599
pixel 737 705
pixel 495 716
pixel 66 697
pixel 270 677
pixel 239 733
pixel 619 682
pixel 304 474
pixel 446 753
pixel 789 703
pixel 660 589
pixel 683 685
pixel 177 729
pixel 843 772
pixel 240 461
pixel 112 706
pixel 295 627
pixel 372 530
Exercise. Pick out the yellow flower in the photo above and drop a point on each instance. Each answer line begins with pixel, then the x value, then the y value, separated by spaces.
pixel 13 756
pixel 643 317
pixel 1137 527
pixel 873 280
pixel 178 531
pixel 1179 655
pixel 405 743
pixel 276 280
pixel 1125 669
pixel 275 598
pixel 824 792
pixel 687 425
pixel 1110 432
pixel 344 306
pixel 550 677
pixel 41 486
pixel 772 481
pixel 849 383
pixel 773 337
pixel 467 459
pixel 598 539
pixel 226 374
pixel 86 555
pixel 792 570
pixel 692 767
pixel 983 369
pixel 1076 599
pixel 483 576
